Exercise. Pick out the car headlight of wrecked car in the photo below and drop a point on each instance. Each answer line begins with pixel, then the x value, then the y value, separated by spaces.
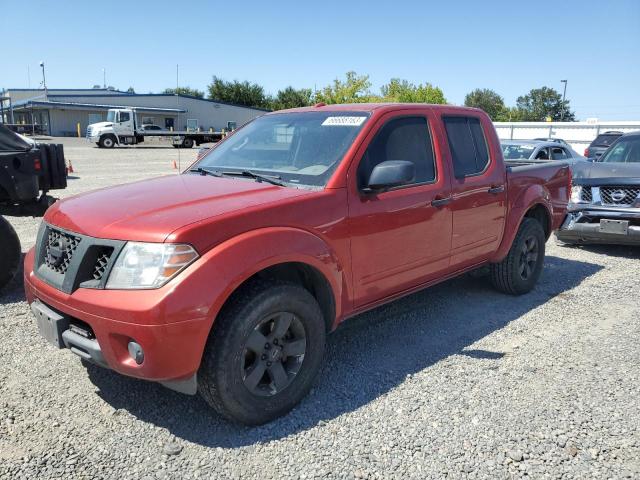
pixel 149 265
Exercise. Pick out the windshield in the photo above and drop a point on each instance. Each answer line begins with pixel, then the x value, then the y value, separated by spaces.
pixel 302 148
pixel 626 150
pixel 517 151
pixel 111 116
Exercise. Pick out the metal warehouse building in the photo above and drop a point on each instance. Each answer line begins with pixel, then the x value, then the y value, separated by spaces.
pixel 57 112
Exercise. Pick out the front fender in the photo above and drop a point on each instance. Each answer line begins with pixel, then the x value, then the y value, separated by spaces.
pixel 225 267
pixel 536 194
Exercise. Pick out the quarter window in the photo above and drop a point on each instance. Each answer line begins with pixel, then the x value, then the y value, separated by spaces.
pixel 405 138
pixel 468 145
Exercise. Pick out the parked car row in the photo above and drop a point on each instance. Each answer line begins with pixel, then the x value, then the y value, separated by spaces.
pixel 605 196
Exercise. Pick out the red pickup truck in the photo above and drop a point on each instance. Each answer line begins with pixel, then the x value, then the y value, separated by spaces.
pixel 225 280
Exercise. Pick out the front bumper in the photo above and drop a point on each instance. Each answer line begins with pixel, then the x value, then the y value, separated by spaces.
pixel 93 138
pixel 171 334
pixel 582 225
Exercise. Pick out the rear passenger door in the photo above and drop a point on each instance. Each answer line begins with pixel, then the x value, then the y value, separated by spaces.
pixel 478 190
pixel 400 238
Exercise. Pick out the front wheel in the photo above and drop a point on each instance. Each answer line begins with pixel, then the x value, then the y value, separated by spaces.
pixel 187 143
pixel 264 353
pixel 108 141
pixel 519 271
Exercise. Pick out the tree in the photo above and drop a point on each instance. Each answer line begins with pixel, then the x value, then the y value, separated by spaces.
pixel 130 90
pixel 242 93
pixel 487 100
pixel 544 102
pixel 192 92
pixel 291 98
pixel 510 114
pixel 403 91
pixel 354 89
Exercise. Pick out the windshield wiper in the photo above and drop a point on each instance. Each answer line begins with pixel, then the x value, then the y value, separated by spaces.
pixel 204 171
pixel 272 179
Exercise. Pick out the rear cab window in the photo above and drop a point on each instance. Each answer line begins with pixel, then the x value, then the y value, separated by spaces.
pixel 605 139
pixel 467 144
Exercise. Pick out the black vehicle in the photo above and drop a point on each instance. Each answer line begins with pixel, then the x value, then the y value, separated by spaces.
pixel 28 171
pixel 600 144
pixel 605 197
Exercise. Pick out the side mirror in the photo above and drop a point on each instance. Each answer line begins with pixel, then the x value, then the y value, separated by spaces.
pixel 391 173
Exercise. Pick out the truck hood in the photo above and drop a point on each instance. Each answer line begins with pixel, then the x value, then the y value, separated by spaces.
pixel 150 210
pixel 598 173
pixel 99 125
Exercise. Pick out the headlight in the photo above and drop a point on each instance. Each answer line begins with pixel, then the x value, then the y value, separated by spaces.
pixel 149 265
pixel 576 194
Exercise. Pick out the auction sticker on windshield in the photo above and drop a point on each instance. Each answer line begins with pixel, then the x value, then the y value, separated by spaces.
pixel 343 121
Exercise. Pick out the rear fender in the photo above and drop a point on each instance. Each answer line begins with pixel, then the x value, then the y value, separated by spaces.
pixel 528 198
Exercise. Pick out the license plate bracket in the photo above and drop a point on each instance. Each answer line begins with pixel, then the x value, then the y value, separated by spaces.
pixel 616 227
pixel 51 324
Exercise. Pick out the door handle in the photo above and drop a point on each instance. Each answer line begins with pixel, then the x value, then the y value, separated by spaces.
pixel 440 202
pixel 497 189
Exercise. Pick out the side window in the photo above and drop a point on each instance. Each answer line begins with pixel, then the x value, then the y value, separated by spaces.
pixel 468 145
pixel 558 153
pixel 542 154
pixel 405 138
pixel 124 117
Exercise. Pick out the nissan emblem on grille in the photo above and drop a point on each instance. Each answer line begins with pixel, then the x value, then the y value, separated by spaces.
pixel 618 195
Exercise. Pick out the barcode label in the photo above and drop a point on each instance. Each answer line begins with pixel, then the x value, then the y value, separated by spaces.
pixel 344 121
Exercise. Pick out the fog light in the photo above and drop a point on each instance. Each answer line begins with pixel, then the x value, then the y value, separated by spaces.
pixel 136 352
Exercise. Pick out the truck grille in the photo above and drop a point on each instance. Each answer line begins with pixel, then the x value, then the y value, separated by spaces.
pixel 619 195
pixel 89 132
pixel 59 250
pixel 587 195
pixel 67 260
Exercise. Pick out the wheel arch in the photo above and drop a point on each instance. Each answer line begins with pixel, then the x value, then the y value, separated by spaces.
pixel 537 207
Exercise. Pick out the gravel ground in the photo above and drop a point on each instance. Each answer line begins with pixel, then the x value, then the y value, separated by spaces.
pixel 456 381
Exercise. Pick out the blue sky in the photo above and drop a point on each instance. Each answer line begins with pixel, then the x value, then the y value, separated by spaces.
pixel 508 46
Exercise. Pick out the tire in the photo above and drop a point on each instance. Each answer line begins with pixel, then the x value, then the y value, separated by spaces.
pixel 258 313
pixel 519 271
pixel 107 141
pixel 11 252
pixel 187 143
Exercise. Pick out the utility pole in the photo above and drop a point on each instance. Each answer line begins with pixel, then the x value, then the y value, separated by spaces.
pixel 44 81
pixel 104 78
pixel 564 95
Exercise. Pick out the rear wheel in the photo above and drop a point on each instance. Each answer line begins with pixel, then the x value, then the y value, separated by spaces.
pixel 11 252
pixel 187 143
pixel 264 353
pixel 519 271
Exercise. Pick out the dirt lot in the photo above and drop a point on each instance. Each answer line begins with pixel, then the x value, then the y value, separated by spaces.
pixel 456 381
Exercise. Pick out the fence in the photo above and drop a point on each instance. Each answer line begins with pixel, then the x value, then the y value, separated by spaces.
pixel 577 134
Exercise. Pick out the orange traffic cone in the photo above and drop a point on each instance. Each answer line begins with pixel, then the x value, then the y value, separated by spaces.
pixel 70 167
pixel 175 165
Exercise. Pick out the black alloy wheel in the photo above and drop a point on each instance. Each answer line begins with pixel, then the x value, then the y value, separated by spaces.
pixel 528 257
pixel 273 354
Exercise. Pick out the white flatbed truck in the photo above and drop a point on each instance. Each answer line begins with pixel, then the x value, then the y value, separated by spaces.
pixel 122 128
